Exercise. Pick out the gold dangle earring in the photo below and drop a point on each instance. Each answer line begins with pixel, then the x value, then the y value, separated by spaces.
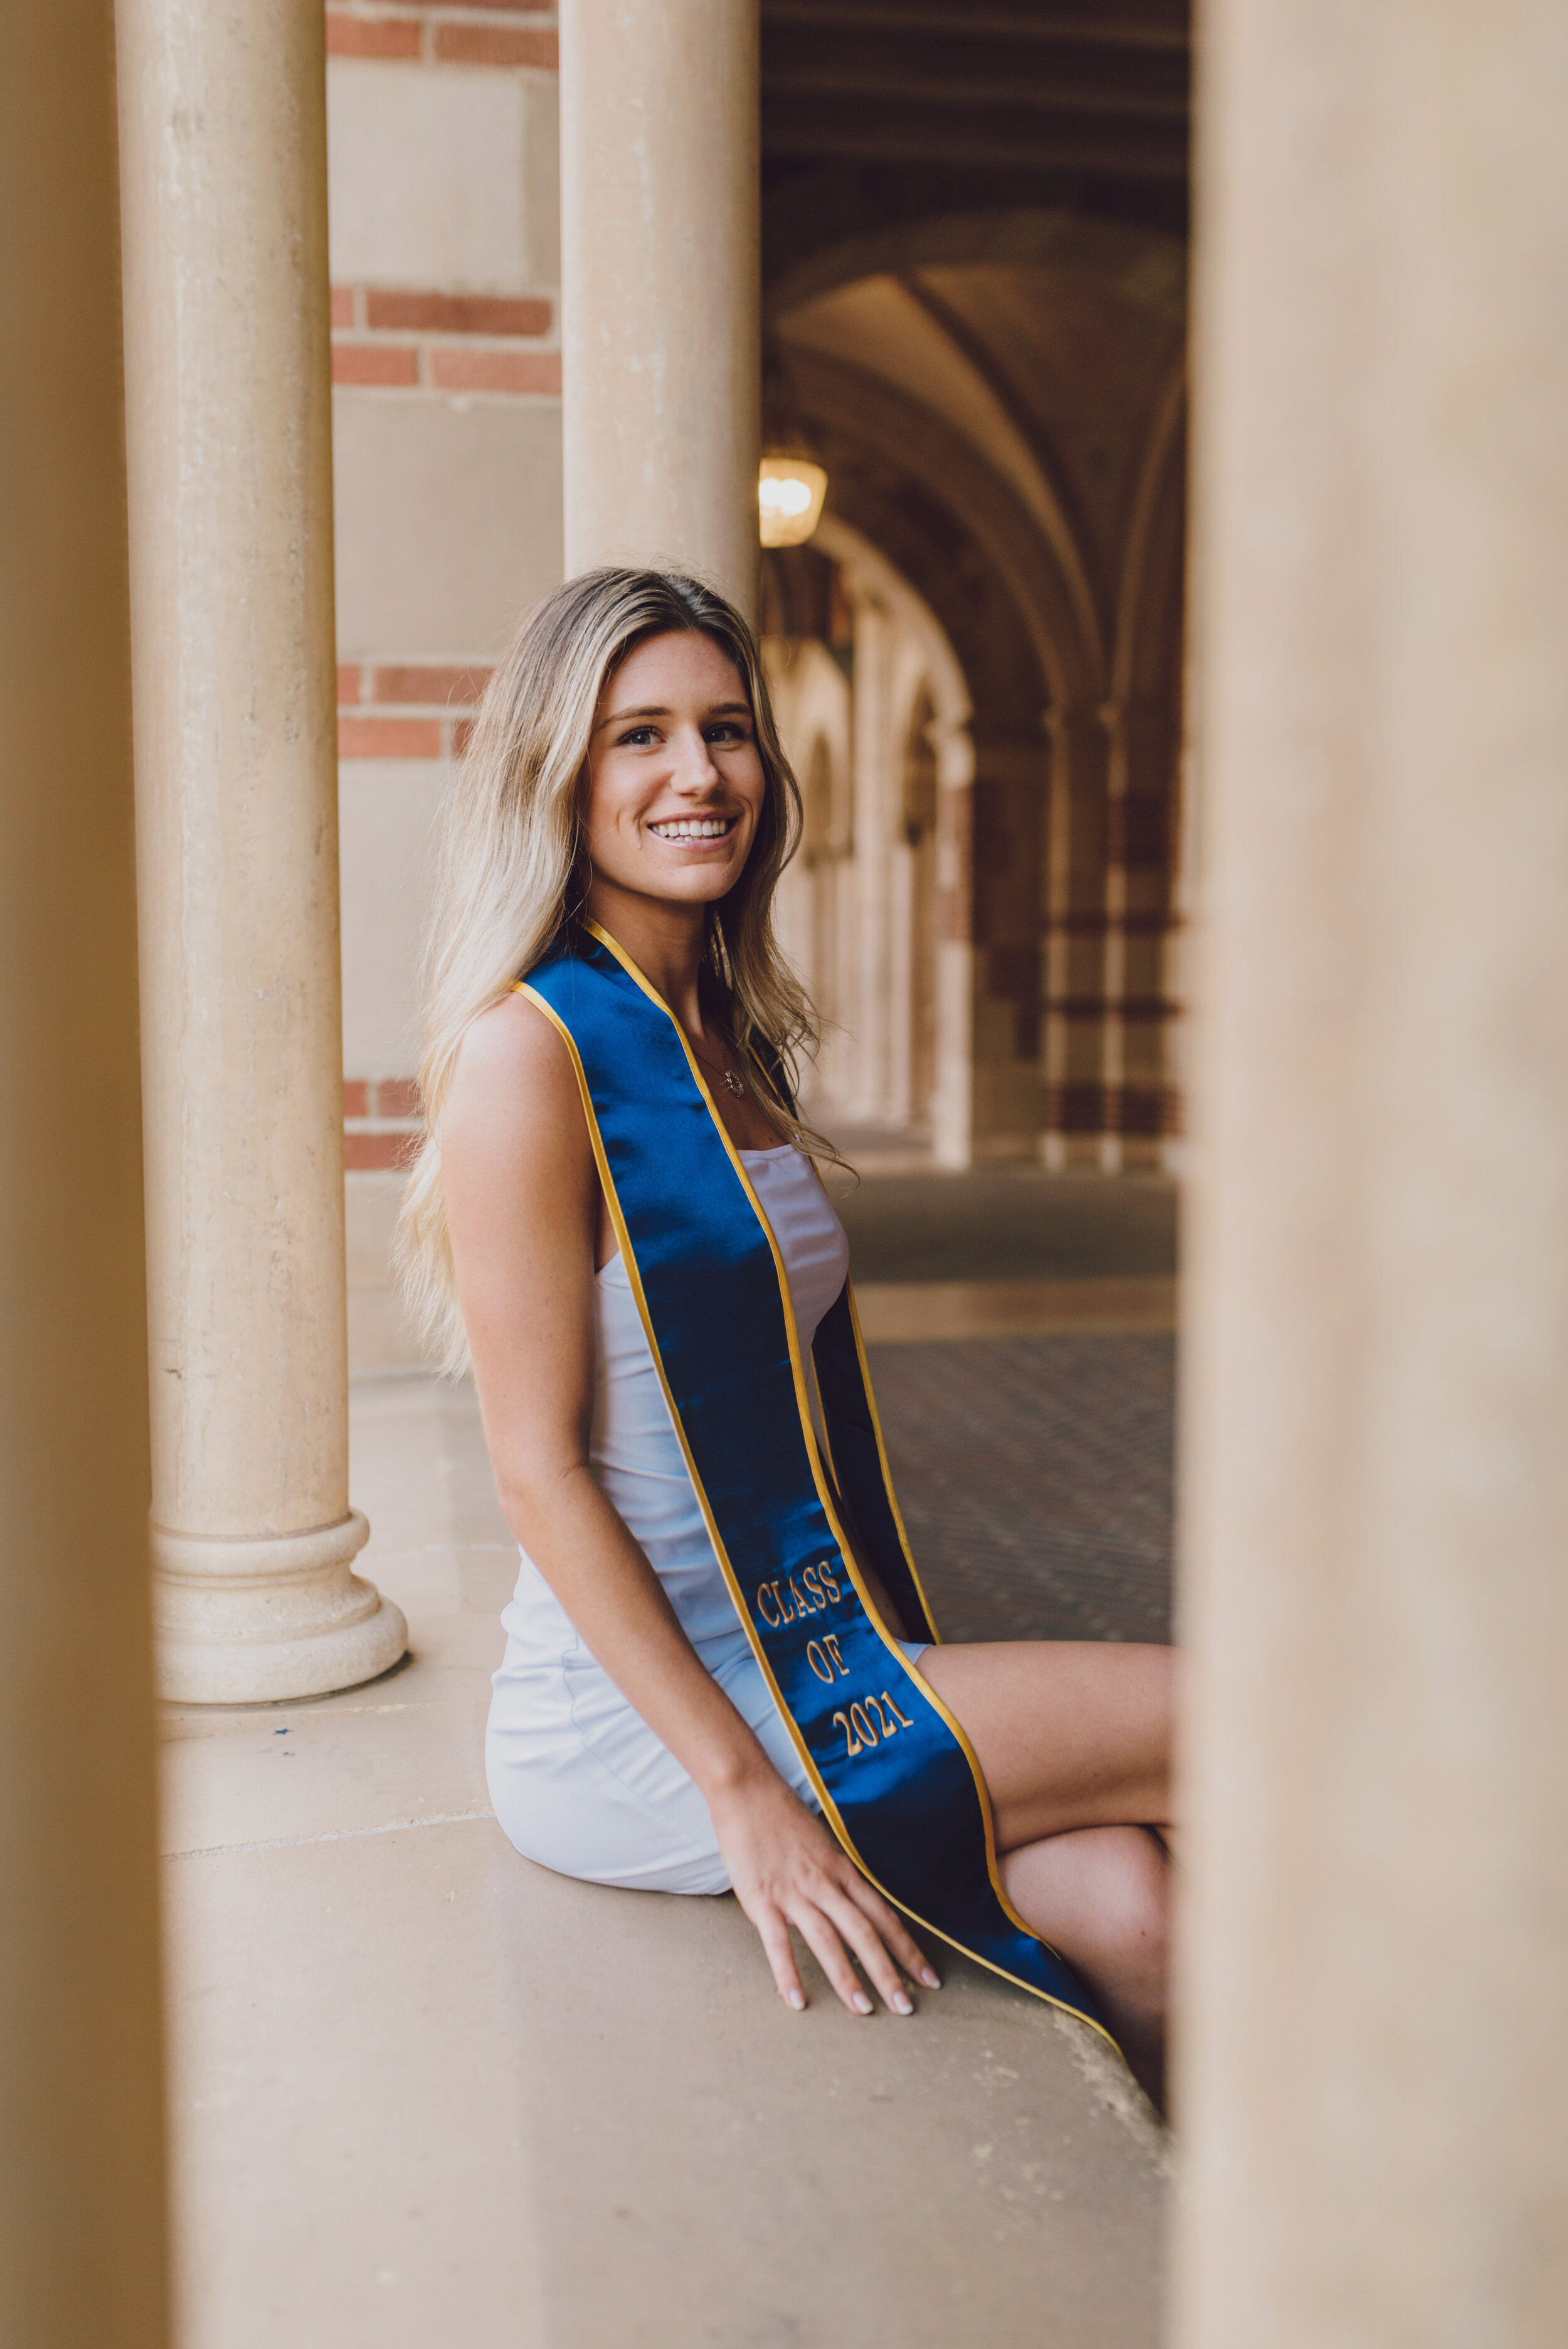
pixel 717 954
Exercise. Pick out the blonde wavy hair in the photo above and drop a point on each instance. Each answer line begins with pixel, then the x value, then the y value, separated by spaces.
pixel 511 877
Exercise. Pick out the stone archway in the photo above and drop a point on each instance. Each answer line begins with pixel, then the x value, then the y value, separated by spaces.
pixel 998 397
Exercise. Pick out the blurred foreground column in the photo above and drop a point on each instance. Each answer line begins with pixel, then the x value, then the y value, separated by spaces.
pixel 81 2121
pixel 223 157
pixel 1374 2069
pixel 661 286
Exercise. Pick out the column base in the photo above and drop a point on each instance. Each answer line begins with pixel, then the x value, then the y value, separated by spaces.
pixel 258 1622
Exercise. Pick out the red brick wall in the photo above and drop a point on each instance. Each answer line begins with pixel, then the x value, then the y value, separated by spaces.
pixel 405 709
pixel 419 341
pixel 381 1123
pixel 404 341
pixel 446 32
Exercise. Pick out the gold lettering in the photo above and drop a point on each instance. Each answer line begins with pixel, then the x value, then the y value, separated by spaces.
pixel 800 1606
pixel 819 1662
pixel 830 1642
pixel 786 1614
pixel 829 1583
pixel 763 1594
pixel 859 1733
pixel 813 1585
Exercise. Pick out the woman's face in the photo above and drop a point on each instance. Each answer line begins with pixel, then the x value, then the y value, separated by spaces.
pixel 674 788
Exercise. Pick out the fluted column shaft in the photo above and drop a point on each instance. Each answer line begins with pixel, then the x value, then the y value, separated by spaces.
pixel 660 286
pixel 1375 2039
pixel 224 178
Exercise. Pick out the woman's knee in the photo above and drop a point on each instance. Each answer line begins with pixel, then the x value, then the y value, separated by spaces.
pixel 1101 1896
pixel 1132 1913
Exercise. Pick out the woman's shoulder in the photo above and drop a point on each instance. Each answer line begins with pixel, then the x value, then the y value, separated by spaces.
pixel 512 1074
pixel 511 1037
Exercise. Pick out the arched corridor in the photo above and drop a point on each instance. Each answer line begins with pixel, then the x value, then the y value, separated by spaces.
pixel 877 727
pixel 1000 400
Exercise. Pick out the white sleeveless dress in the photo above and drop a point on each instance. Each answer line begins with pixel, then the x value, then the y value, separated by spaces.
pixel 579 1781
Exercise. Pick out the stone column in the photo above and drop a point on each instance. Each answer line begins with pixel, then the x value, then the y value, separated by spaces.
pixel 81 2119
pixel 660 286
pixel 867 1018
pixel 903 946
pixel 1374 2063
pixel 1074 934
pixel 224 175
pixel 1113 953
pixel 952 1106
pixel 1137 924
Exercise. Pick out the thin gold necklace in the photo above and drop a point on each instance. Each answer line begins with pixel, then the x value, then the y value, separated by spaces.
pixel 732 1083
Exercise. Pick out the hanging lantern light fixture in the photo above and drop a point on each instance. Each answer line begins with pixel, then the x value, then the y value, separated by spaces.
pixel 790 495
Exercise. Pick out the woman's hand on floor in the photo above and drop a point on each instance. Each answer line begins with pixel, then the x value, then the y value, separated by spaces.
pixel 788 1870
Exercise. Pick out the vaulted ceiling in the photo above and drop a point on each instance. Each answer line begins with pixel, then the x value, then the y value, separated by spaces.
pixel 974 229
pixel 878 110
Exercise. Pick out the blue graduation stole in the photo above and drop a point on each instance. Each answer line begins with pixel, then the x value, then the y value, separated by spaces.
pixel 896 1777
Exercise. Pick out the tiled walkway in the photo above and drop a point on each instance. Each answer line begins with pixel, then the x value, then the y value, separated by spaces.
pixel 1035 1477
pixel 1033 1472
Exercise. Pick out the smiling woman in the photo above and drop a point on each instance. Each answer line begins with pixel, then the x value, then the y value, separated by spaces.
pixel 721 1670
pixel 681 773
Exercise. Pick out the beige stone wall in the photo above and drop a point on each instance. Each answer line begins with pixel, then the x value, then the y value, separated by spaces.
pixel 444 175
pixel 443 163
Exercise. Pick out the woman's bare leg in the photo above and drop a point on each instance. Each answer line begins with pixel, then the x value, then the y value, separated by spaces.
pixel 1073 1739
pixel 1102 1897
pixel 1068 1733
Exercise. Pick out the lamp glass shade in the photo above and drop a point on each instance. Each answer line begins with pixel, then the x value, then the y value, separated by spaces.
pixel 790 494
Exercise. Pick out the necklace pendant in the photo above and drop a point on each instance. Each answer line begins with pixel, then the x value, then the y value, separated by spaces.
pixel 733 1083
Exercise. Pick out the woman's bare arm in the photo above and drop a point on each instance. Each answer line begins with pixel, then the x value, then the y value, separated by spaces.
pixel 522 1206
pixel 521 1196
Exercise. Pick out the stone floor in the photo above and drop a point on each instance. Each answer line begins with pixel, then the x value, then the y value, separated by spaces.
pixel 423 2090
pixel 1006 1224
pixel 1035 1477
